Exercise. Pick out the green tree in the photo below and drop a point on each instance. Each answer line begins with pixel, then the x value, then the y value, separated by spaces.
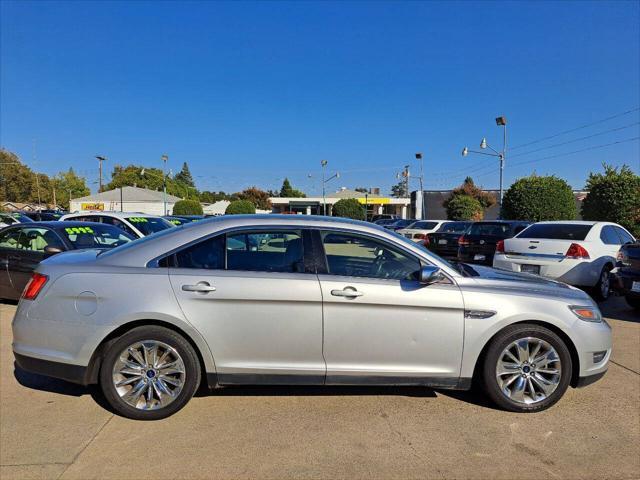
pixel 464 207
pixel 17 181
pixel 538 198
pixel 213 197
pixel 187 207
pixel 468 187
pixel 288 191
pixel 69 185
pixel 614 196
pixel 349 208
pixel 184 176
pixel 259 198
pixel 399 190
pixel 239 207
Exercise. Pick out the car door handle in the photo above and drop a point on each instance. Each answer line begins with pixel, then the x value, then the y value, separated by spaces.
pixel 348 292
pixel 202 287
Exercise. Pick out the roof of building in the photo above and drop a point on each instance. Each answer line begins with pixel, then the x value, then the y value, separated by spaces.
pixel 348 193
pixel 129 194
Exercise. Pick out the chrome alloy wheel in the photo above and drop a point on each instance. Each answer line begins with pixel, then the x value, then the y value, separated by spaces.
pixel 528 370
pixel 605 284
pixel 149 375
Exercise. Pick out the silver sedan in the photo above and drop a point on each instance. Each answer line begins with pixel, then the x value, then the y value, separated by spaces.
pixel 271 299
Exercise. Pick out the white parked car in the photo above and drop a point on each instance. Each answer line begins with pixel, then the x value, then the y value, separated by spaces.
pixel 419 229
pixel 137 224
pixel 575 252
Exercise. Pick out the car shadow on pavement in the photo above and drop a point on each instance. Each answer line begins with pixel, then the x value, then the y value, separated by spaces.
pixel 616 308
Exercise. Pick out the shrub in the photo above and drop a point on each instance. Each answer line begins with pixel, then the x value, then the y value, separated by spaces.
pixel 539 198
pixel 614 196
pixel 349 208
pixel 187 207
pixel 239 207
pixel 464 207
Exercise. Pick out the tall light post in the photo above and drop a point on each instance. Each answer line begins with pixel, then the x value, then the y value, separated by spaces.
pixel 325 180
pixel 501 122
pixel 419 157
pixel 164 181
pixel 100 160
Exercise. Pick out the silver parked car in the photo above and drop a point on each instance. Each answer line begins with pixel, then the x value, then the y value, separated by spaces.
pixel 274 299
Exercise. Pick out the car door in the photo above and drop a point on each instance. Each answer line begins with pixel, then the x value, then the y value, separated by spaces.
pixel 8 247
pixel 381 326
pixel 249 294
pixel 28 254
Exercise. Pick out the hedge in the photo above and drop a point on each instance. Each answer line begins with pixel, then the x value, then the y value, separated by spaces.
pixel 187 207
pixel 537 199
pixel 464 207
pixel 349 208
pixel 239 207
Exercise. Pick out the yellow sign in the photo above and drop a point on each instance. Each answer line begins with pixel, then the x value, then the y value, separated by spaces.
pixel 374 201
pixel 92 206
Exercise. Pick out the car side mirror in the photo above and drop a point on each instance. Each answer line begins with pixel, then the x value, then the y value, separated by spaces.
pixel 50 250
pixel 430 274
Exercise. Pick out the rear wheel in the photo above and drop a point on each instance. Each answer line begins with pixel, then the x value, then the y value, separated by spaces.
pixel 527 368
pixel 603 287
pixel 149 373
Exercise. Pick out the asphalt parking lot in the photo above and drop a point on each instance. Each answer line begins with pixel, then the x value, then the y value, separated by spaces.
pixel 52 429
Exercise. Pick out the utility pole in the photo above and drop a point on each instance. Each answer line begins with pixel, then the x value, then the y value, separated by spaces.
pixel 100 160
pixel 323 163
pixel 406 174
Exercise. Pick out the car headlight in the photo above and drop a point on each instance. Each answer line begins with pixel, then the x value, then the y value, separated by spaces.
pixel 586 313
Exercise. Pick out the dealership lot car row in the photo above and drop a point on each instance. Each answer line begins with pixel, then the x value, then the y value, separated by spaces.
pixel 290 300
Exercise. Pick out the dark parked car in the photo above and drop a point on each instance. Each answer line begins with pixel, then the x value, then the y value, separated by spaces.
pixel 398 224
pixel 45 215
pixel 383 216
pixel 478 245
pixel 626 275
pixel 444 241
pixel 24 245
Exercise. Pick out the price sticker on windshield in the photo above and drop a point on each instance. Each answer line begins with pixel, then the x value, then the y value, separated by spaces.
pixel 78 230
pixel 138 220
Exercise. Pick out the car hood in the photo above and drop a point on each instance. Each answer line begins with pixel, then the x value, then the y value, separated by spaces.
pixel 523 284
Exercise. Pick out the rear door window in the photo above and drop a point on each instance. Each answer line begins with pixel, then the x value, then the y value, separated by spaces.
pixel 208 254
pixel 624 236
pixel 270 251
pixel 609 236
pixel 556 231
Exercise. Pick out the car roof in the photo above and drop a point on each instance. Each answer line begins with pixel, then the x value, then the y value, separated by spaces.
pixel 498 221
pixel 55 224
pixel 110 214
pixel 573 222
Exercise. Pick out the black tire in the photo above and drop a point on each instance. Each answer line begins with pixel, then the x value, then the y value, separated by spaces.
pixel 155 333
pixel 600 292
pixel 500 343
pixel 634 302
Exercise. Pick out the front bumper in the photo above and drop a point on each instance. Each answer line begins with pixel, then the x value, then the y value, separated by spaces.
pixel 622 282
pixel 585 381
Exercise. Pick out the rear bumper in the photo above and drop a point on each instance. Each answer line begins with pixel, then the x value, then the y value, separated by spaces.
pixel 467 255
pixel 622 282
pixel 63 371
pixel 574 272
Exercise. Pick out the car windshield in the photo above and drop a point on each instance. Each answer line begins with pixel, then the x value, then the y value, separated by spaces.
pixel 96 235
pixel 454 227
pixel 402 223
pixel 422 225
pixel 21 217
pixel 384 221
pixel 557 231
pixel 149 225
pixel 497 229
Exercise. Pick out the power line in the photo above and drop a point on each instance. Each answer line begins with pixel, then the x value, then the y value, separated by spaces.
pixel 577 128
pixel 576 140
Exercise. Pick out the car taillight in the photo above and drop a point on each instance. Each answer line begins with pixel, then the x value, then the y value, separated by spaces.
pixel 426 241
pixel 420 236
pixel 577 251
pixel 500 246
pixel 34 286
pixel 463 241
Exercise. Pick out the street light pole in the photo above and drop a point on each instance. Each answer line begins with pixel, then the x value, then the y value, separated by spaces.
pixel 419 157
pixel 100 160
pixel 164 181
pixel 324 200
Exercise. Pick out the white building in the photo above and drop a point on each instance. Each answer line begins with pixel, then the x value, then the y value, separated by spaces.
pixel 126 199
pixel 217 208
pixel 375 204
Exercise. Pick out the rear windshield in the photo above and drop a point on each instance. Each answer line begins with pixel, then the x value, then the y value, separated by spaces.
pixel 402 223
pixel 556 231
pixel 424 225
pixel 96 235
pixel 491 229
pixel 149 225
pixel 454 227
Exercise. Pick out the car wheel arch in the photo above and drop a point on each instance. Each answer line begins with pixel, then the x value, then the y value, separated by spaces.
pixel 575 359
pixel 93 369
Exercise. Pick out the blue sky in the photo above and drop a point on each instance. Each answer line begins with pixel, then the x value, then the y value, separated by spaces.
pixel 248 93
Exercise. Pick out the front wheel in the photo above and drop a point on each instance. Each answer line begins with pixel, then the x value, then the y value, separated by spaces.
pixel 527 368
pixel 149 373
